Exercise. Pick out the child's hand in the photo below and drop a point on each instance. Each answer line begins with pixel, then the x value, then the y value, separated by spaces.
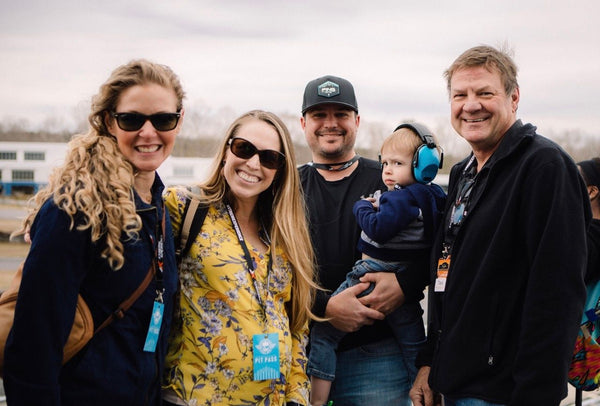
pixel 375 202
pixel 374 198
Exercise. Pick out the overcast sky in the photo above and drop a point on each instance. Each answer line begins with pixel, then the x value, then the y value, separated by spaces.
pixel 251 54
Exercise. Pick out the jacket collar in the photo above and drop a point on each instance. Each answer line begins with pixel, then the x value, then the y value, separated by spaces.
pixel 518 134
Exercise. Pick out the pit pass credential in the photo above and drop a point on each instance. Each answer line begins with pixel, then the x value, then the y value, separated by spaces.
pixel 154 328
pixel 266 356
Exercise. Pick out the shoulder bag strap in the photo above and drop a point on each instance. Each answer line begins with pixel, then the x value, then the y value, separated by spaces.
pixel 195 227
pixel 186 225
pixel 126 304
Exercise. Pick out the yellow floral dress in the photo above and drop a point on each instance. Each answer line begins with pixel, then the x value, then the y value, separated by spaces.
pixel 209 361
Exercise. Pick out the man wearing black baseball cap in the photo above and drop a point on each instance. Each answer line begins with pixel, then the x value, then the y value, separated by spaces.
pixel 369 367
pixel 329 89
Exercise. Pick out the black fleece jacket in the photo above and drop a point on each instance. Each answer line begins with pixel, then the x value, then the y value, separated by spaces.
pixel 504 328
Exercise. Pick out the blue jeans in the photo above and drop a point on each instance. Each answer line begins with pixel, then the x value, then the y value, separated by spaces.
pixel 468 402
pixel 407 326
pixel 405 322
pixel 374 375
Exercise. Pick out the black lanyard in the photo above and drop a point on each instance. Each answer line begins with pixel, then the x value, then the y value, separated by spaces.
pixel 250 265
pixel 332 167
pixel 159 254
pixel 460 208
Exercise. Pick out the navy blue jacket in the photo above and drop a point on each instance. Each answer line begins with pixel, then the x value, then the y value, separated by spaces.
pixel 112 369
pixel 505 327
pixel 403 226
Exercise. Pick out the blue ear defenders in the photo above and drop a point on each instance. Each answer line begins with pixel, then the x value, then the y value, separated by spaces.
pixel 427 159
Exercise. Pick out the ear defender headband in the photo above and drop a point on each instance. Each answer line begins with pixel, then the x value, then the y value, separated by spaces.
pixel 427 159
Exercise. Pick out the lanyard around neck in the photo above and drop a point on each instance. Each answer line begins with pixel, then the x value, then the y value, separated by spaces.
pixel 467 180
pixel 460 207
pixel 332 167
pixel 159 254
pixel 250 265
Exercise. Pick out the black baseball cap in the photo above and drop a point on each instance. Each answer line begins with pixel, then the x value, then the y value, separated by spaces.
pixel 329 89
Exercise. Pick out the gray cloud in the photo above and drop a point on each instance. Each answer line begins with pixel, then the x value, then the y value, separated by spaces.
pixel 243 55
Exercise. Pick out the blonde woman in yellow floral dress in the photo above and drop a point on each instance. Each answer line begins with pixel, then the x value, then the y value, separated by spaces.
pixel 247 282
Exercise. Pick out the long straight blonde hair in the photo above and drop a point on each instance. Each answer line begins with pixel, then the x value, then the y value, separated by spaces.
pixel 281 209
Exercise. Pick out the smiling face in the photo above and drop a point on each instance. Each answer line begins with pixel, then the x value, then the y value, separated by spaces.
pixel 481 111
pixel 146 148
pixel 330 131
pixel 247 178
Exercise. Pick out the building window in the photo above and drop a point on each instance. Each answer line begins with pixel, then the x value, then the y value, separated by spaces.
pixel 22 176
pixel 35 156
pixel 184 171
pixel 8 155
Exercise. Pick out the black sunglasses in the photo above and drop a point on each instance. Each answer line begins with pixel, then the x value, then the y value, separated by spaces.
pixel 135 121
pixel 245 149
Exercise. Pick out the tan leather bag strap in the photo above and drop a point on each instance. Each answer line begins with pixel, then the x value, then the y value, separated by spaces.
pixel 187 224
pixel 126 304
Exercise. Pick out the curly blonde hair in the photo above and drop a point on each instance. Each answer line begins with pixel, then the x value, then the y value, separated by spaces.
pixel 95 180
pixel 280 208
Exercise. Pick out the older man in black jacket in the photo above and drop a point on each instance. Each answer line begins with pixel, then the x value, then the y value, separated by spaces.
pixel 508 290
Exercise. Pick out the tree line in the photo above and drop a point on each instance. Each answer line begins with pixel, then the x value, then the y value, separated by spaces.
pixel 201 135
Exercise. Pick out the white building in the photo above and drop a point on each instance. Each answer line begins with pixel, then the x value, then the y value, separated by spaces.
pixel 184 171
pixel 26 166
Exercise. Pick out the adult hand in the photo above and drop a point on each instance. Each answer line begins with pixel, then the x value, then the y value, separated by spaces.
pixel 387 295
pixel 420 393
pixel 27 236
pixel 347 313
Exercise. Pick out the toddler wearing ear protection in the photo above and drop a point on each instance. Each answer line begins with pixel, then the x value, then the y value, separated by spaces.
pixel 397 233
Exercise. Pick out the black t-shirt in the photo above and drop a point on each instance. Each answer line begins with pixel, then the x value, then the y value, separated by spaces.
pixel 335 233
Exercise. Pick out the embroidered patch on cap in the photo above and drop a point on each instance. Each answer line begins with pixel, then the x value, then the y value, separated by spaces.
pixel 328 89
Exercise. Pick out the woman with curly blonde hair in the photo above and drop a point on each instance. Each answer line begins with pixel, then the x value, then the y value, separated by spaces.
pixel 247 282
pixel 97 230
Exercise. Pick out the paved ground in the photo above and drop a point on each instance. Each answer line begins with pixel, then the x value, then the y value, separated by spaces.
pixel 11 253
pixel 589 398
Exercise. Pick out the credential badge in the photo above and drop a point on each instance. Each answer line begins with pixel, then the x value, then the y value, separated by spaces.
pixel 328 89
